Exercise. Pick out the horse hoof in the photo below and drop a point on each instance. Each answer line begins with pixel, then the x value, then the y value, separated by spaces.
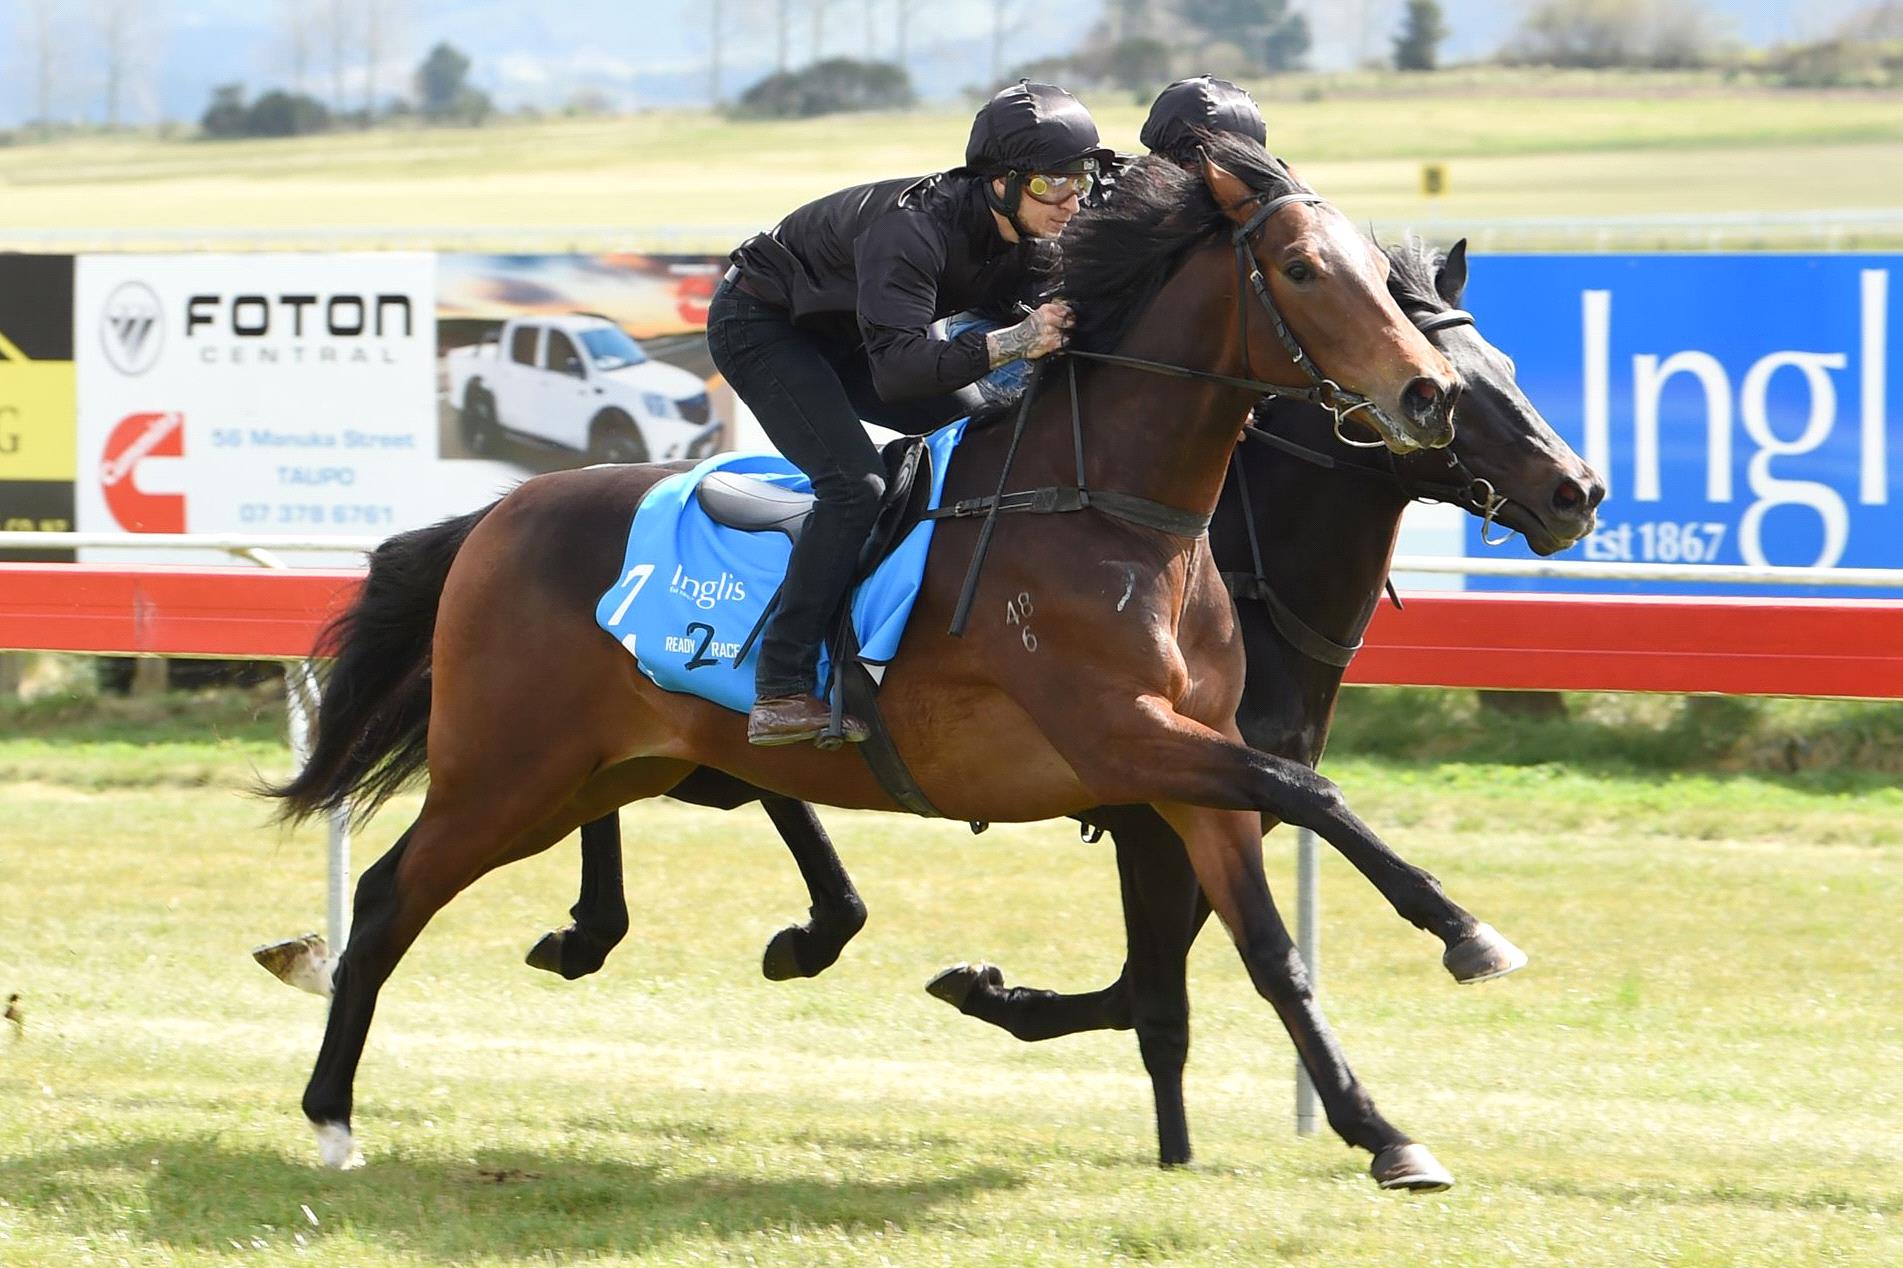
pixel 301 962
pixel 781 963
pixel 1481 956
pixel 547 954
pixel 1410 1167
pixel 337 1147
pixel 956 984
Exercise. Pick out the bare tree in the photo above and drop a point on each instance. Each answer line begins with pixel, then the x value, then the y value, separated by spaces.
pixel 298 28
pixel 726 19
pixel 41 38
pixel 871 8
pixel 1007 18
pixel 902 11
pixel 340 25
pixel 1128 19
pixel 818 9
pixel 783 21
pixel 116 21
pixel 381 20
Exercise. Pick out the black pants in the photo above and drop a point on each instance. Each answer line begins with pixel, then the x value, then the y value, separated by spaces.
pixel 809 399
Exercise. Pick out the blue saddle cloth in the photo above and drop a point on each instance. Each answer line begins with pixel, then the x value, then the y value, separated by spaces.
pixel 690 590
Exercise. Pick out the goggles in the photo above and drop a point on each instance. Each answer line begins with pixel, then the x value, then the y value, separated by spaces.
pixel 1056 187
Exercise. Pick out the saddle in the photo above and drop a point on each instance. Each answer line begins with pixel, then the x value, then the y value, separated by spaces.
pixel 756 506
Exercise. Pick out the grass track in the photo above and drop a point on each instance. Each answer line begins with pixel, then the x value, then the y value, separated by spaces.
pixel 1525 148
pixel 1704 1064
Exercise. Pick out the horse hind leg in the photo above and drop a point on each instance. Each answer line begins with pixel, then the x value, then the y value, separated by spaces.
pixel 599 918
pixel 837 912
pixel 458 837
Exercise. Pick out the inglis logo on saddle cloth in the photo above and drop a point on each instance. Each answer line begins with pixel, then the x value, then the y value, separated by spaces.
pixel 705 594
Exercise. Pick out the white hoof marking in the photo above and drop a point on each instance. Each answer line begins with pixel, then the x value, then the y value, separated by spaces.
pixel 337 1147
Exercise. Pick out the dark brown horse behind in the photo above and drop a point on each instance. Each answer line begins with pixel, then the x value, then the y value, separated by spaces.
pixel 538 722
pixel 1300 611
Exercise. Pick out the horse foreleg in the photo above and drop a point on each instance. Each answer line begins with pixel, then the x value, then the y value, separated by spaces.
pixel 1475 952
pixel 1214 790
pixel 599 918
pixel 1193 764
pixel 836 914
pixel 1225 848
pixel 1163 911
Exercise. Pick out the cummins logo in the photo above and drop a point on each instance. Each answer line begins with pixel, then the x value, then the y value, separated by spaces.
pixel 131 328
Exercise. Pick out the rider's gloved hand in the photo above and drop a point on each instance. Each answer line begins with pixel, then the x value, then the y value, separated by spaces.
pixel 1042 332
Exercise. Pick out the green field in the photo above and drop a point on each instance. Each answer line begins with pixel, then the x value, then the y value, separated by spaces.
pixel 1527 144
pixel 1702 1065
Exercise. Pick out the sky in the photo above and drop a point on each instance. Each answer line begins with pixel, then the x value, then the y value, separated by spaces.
pixel 646 52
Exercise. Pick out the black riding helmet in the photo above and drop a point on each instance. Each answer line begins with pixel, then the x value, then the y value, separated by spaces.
pixel 1204 103
pixel 1030 128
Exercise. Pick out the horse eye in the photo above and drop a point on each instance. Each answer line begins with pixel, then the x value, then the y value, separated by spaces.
pixel 1298 271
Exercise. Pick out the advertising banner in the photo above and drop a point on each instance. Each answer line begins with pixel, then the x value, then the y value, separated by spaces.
pixel 38 454
pixel 1741 407
pixel 282 394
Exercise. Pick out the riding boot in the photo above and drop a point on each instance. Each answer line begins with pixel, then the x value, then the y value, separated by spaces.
pixel 797 719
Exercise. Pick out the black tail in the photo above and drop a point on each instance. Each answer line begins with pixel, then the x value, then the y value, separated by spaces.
pixel 373 714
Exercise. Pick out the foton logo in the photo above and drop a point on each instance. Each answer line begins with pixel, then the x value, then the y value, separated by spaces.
pixel 136 438
pixel 298 329
pixel 131 328
pixel 707 593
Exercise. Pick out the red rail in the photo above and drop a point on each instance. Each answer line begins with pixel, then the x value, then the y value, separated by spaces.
pixel 1732 646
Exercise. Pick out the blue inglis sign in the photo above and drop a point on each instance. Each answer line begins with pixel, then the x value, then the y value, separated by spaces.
pixel 1739 406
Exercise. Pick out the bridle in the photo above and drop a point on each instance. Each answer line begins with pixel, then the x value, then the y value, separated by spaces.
pixel 1472 493
pixel 1130 508
pixel 1321 389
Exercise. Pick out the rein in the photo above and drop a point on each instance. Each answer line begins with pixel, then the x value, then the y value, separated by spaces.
pixel 1128 507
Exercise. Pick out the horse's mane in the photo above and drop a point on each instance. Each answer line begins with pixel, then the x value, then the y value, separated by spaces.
pixel 1117 256
pixel 1411 281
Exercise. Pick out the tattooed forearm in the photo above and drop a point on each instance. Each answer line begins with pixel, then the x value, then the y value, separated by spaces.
pixel 1013 343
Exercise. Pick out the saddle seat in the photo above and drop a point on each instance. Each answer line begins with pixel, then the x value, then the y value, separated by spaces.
pixel 754 506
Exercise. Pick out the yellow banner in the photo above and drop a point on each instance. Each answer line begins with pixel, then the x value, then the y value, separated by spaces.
pixel 38 420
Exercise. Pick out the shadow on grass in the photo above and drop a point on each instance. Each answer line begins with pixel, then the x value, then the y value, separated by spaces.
pixel 502 1204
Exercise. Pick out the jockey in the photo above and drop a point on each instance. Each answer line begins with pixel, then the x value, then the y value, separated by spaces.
pixel 1204 104
pixel 1181 116
pixel 827 319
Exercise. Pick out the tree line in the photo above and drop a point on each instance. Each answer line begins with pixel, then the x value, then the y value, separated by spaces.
pixel 336 56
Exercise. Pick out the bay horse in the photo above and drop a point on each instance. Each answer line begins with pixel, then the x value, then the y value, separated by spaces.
pixel 1300 613
pixel 1104 667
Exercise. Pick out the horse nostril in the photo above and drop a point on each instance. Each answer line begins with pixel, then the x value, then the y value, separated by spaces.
pixel 1568 497
pixel 1596 495
pixel 1422 398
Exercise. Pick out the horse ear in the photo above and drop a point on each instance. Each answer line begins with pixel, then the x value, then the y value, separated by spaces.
pixel 1450 279
pixel 1236 199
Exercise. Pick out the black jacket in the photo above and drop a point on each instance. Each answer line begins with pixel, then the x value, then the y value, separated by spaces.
pixel 875 265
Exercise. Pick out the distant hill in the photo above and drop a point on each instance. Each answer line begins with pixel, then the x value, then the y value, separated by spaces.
pixel 643 53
